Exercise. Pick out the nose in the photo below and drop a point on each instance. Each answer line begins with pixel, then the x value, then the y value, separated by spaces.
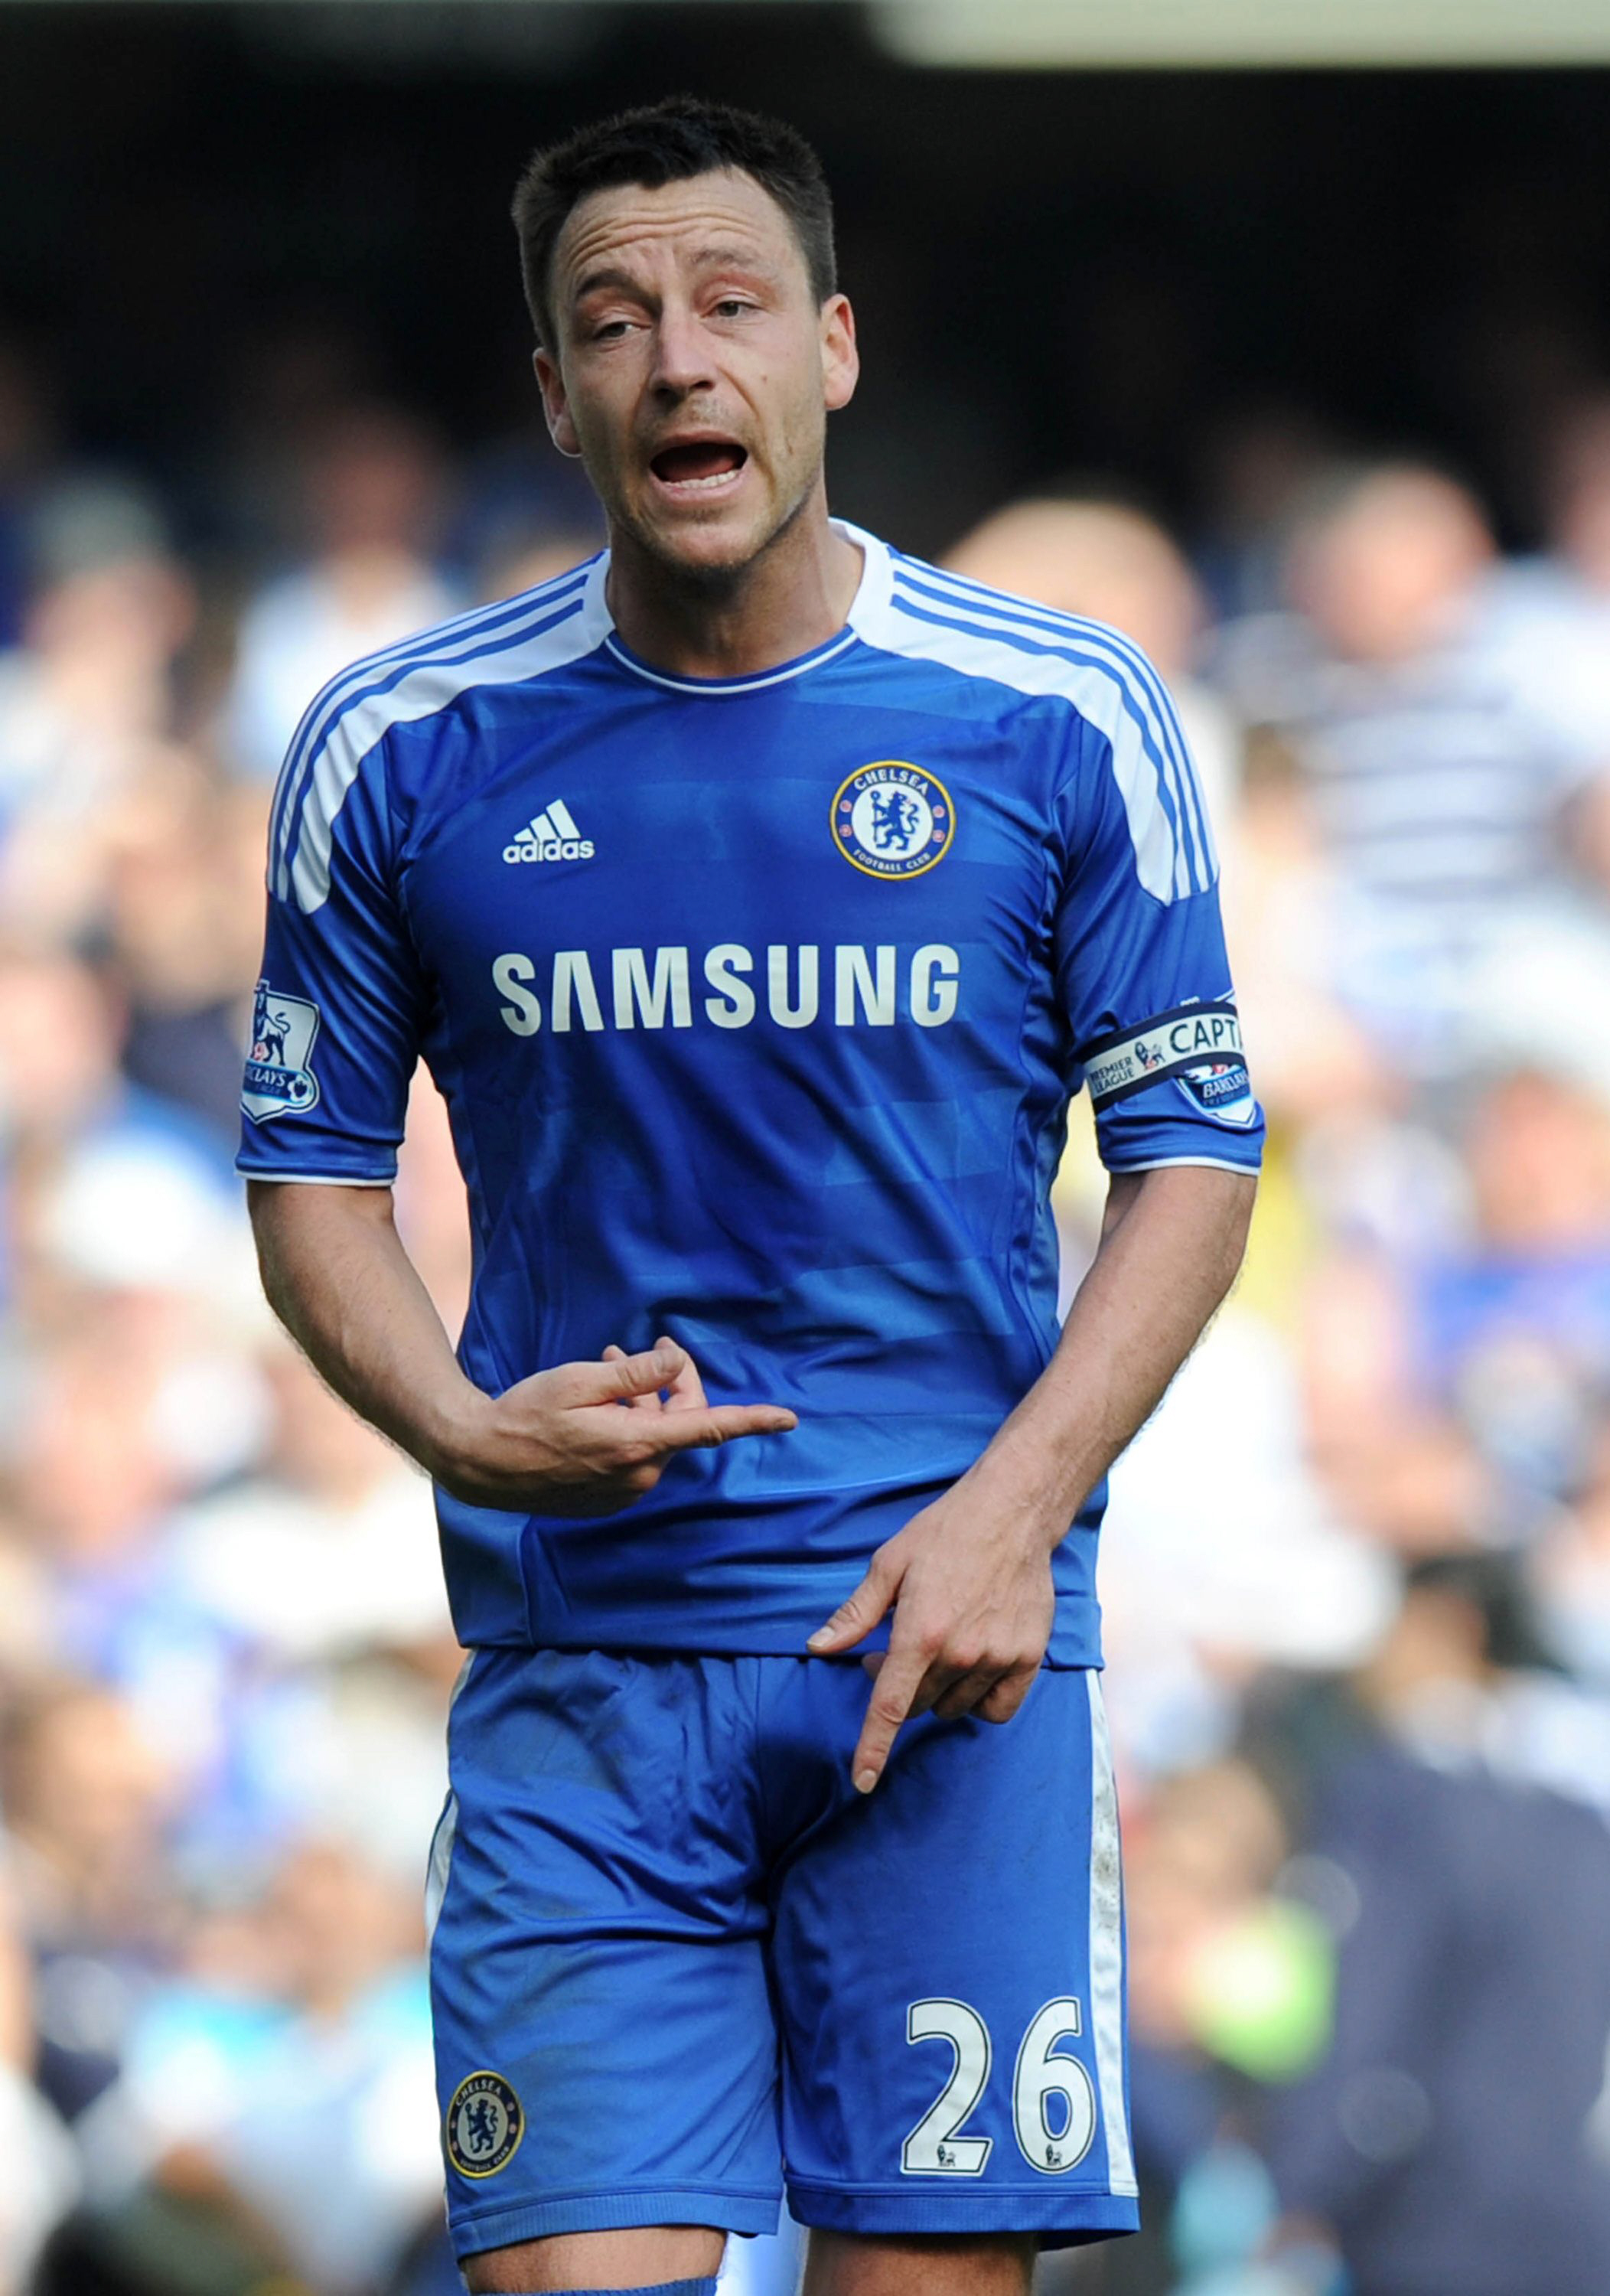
pixel 682 360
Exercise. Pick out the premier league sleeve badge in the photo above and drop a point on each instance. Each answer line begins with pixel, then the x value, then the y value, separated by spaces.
pixel 279 1064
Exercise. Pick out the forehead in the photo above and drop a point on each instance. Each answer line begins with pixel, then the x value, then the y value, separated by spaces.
pixel 628 226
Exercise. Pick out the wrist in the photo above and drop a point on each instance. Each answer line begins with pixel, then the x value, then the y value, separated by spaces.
pixel 1014 1488
pixel 453 1439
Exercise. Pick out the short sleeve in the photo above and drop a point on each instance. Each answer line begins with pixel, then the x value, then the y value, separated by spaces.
pixel 337 1010
pixel 1141 974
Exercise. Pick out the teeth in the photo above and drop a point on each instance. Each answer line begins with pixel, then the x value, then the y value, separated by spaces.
pixel 716 478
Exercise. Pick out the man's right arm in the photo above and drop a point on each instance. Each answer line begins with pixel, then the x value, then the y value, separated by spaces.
pixel 557 1443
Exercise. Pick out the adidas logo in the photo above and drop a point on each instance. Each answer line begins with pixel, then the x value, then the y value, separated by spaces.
pixel 552 836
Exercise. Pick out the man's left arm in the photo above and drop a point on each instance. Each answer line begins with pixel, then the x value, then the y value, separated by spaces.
pixel 970 1577
pixel 1139 976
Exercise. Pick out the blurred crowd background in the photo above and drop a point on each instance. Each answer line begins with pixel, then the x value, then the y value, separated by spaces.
pixel 1316 408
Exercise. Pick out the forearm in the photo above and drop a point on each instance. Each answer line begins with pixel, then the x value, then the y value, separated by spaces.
pixel 336 1276
pixel 556 1442
pixel 1171 1240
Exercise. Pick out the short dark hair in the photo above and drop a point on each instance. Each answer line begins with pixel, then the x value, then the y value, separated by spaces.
pixel 666 143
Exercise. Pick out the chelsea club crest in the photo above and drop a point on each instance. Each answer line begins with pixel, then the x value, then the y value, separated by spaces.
pixel 891 819
pixel 485 2124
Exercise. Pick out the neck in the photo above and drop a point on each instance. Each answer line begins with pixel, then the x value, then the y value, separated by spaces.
pixel 796 595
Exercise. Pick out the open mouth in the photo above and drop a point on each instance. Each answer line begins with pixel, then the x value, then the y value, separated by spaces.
pixel 699 466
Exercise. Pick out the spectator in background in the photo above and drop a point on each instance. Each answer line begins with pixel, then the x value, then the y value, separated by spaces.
pixel 530 560
pixel 1570 1569
pixel 1256 462
pixel 371 497
pixel 1513 1330
pixel 1394 1460
pixel 319 1575
pixel 262 2124
pixel 1108 562
pixel 180 902
pixel 1549 617
pixel 108 1183
pixel 41 2171
pixel 87 700
pixel 329 1549
pixel 1470 1900
pixel 87 1800
pixel 1230 1993
pixel 1439 796
pixel 1454 1388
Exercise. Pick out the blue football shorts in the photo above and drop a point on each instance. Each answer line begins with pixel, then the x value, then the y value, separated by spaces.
pixel 679 1964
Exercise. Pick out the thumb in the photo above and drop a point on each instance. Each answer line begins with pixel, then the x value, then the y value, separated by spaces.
pixel 853 1620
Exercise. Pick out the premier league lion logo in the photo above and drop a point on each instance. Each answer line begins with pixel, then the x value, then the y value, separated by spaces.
pixel 279 1071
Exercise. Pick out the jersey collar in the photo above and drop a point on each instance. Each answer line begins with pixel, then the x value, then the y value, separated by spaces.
pixel 871 596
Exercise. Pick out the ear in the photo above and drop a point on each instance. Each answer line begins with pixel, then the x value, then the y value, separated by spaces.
pixel 556 405
pixel 841 359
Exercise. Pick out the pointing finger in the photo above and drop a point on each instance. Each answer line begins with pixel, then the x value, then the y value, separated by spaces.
pixel 899 1679
pixel 692 1430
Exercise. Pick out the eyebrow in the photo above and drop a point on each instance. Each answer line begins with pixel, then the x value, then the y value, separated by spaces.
pixel 708 258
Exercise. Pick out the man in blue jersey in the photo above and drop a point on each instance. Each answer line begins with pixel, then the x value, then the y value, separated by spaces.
pixel 757 896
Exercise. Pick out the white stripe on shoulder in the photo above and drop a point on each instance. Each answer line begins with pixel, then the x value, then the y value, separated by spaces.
pixel 1100 690
pixel 498 613
pixel 1049 625
pixel 497 621
pixel 308 831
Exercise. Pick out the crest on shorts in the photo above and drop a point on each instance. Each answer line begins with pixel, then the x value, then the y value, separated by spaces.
pixel 486 2121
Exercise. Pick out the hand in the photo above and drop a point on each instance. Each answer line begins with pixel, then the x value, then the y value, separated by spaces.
pixel 590 1438
pixel 972 1592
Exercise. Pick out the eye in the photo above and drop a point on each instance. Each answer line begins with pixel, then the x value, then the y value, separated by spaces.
pixel 733 306
pixel 610 331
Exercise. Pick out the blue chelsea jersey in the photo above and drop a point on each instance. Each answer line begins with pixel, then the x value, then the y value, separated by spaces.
pixel 756 1004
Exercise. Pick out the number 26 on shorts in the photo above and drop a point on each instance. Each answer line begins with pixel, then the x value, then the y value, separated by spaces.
pixel 1052 2141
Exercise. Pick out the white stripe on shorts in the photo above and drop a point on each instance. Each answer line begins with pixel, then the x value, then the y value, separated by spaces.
pixel 447 1829
pixel 1106 1946
pixel 441 1865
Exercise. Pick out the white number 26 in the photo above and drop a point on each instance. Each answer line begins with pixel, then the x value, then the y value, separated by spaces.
pixel 1052 2141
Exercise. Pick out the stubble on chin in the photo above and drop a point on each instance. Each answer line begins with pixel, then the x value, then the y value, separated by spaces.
pixel 707 574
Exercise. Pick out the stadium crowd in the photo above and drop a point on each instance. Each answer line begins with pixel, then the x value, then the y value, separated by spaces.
pixel 1356 1573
